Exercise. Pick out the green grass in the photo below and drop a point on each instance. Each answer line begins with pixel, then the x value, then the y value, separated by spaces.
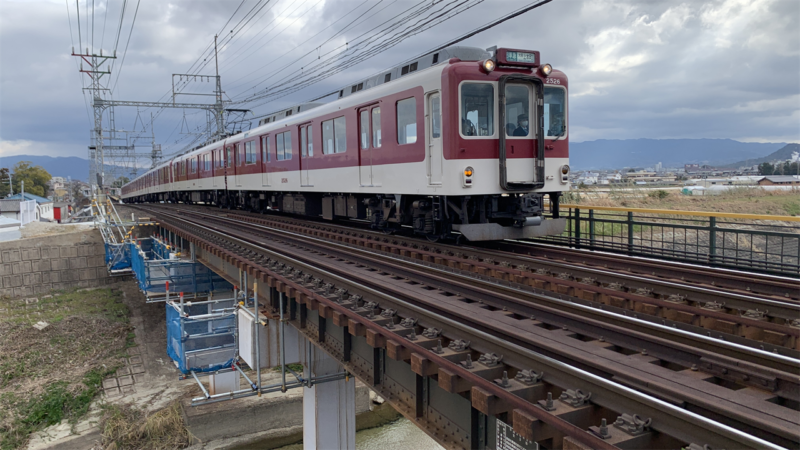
pixel 68 360
pixel 55 404
pixel 298 368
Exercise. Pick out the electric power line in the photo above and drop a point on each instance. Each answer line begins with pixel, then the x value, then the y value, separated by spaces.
pixel 133 22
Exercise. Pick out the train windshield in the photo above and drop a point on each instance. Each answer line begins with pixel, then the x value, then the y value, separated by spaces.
pixel 477 109
pixel 517 110
pixel 555 112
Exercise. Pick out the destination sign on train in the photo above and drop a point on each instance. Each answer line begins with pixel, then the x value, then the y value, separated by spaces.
pixel 521 57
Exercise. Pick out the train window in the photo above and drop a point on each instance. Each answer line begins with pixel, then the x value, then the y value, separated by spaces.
pixel 265 156
pixel 407 121
pixel 364 119
pixel 207 161
pixel 477 109
pixel 283 145
pixel 194 165
pixel 250 152
pixel 555 117
pixel 517 110
pixel 230 157
pixel 334 136
pixel 310 140
pixel 306 141
pixel 239 154
pixel 376 127
pixel 436 117
pixel 340 130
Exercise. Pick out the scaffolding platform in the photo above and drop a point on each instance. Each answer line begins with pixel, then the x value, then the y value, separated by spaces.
pixel 158 270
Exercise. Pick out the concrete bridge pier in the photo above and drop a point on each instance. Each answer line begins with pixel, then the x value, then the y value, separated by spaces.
pixel 329 408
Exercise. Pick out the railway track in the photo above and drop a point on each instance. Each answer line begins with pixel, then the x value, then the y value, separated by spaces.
pixel 768 322
pixel 524 340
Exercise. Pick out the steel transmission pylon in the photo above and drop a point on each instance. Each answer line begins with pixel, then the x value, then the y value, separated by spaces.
pixel 99 153
pixel 96 89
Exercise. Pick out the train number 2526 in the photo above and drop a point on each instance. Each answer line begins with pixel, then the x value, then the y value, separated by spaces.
pixel 552 81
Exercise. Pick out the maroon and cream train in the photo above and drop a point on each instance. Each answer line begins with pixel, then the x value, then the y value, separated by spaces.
pixel 462 140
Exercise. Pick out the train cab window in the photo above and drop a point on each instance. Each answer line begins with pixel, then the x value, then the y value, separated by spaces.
pixel 518 98
pixel 555 112
pixel 376 127
pixel 283 145
pixel 306 141
pixel 407 121
pixel 250 152
pixel 265 156
pixel 477 109
pixel 334 136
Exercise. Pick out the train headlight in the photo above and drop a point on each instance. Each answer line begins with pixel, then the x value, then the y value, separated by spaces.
pixel 466 179
pixel 488 65
pixel 564 173
pixel 547 69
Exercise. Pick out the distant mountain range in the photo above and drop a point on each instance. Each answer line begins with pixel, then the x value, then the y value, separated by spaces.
pixel 589 155
pixel 618 154
pixel 781 154
pixel 58 166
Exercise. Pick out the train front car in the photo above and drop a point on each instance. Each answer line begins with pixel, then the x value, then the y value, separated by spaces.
pixel 505 148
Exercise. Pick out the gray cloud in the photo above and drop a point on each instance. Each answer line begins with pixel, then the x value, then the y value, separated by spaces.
pixel 637 69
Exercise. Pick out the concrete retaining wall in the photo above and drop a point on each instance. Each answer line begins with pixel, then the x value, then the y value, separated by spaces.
pixel 38 265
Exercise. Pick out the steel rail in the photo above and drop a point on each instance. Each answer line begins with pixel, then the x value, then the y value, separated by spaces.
pixel 454 324
pixel 710 282
pixel 717 278
pixel 794 311
pixel 536 303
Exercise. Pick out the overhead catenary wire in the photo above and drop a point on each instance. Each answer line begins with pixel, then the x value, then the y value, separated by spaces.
pixel 457 40
pixel 234 85
pixel 397 20
pixel 77 66
pixel 105 17
pixel 130 33
pixel 322 70
pixel 263 34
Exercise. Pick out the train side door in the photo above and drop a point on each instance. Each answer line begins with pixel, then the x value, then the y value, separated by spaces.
pixel 228 164
pixel 216 160
pixel 364 153
pixel 434 136
pixel 239 163
pixel 306 153
pixel 369 142
pixel 265 160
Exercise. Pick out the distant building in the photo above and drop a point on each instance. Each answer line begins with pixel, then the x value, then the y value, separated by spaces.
pixel 44 206
pixel 780 180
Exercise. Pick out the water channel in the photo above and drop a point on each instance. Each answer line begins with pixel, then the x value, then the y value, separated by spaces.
pixel 400 434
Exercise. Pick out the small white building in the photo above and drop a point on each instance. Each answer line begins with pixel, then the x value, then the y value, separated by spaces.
pixel 44 206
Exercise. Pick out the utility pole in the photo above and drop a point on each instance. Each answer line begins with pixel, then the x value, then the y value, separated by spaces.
pixel 218 109
pixel 96 73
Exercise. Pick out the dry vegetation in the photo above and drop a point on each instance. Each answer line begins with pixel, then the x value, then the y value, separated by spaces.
pixel 128 428
pixel 741 201
pixel 54 374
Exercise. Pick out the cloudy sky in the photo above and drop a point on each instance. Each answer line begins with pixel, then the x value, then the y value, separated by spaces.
pixel 637 69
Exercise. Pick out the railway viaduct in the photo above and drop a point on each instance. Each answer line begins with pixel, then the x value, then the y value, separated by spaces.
pixel 492 348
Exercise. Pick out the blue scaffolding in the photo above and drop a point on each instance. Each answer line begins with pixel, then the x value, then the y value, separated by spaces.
pixel 157 270
pixel 202 336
